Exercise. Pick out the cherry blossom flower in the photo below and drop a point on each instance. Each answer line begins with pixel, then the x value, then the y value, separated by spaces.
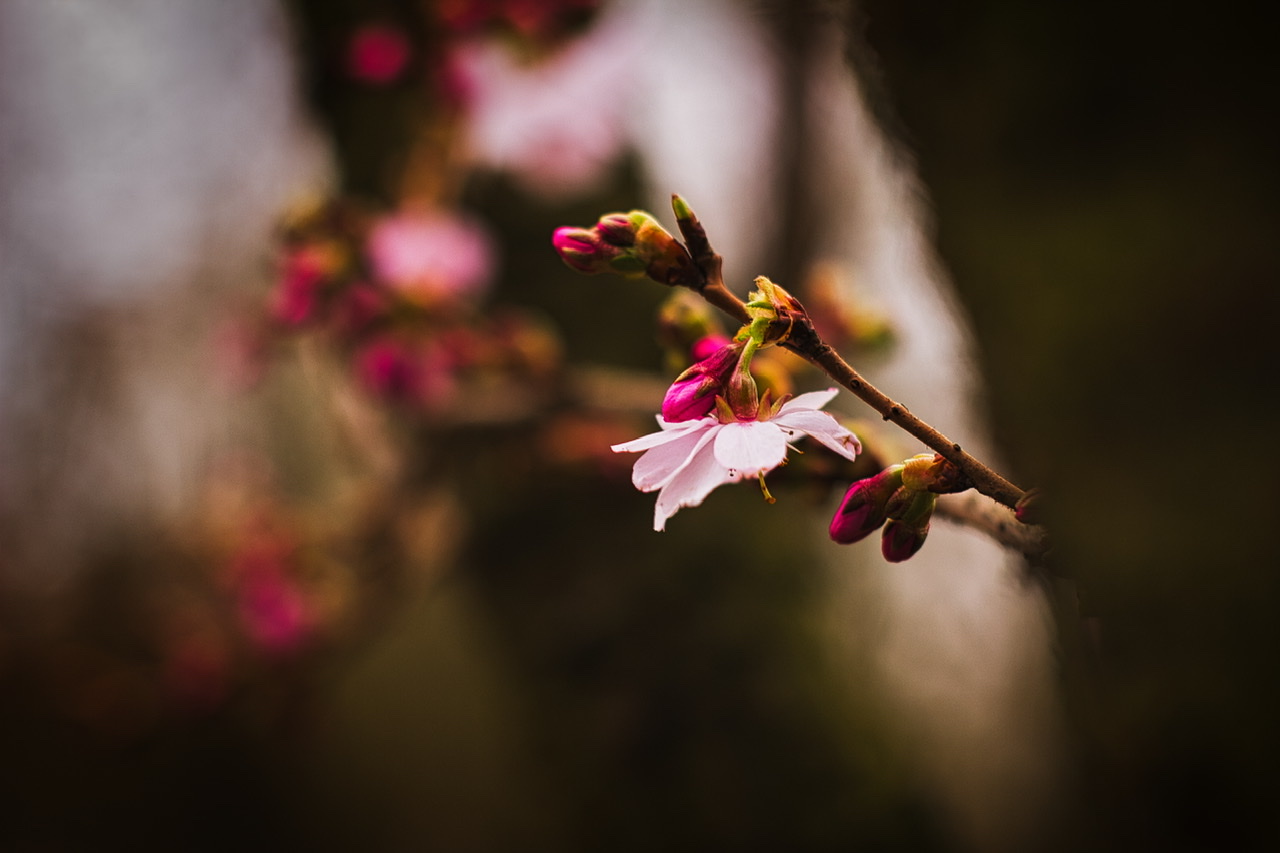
pixel 687 460
pixel 431 255
pixel 557 125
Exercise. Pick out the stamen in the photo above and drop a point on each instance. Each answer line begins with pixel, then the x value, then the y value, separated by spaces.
pixel 765 489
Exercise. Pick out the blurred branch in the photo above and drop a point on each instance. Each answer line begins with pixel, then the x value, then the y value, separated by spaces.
pixel 1030 540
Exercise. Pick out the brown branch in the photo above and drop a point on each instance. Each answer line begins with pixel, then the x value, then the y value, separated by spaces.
pixel 805 342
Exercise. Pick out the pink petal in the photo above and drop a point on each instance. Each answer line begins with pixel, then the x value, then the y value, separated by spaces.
pixel 822 427
pixel 670 432
pixel 810 400
pixel 751 447
pixel 690 486
pixel 660 464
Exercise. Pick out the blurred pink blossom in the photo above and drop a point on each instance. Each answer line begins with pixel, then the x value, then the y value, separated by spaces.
pixel 404 371
pixel 274 612
pixel 556 125
pixel 271 606
pixel 303 274
pixel 377 54
pixel 531 18
pixel 429 256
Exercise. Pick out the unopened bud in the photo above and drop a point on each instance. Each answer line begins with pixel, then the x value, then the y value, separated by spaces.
pixel 708 346
pixel 905 532
pixel 632 244
pixel 865 506
pixel 775 305
pixel 931 472
pixel 618 229
pixel 741 392
pixel 582 249
pixel 899 542
pixel 693 394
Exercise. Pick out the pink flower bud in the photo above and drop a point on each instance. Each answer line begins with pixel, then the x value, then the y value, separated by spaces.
pixel 905 532
pixel 617 229
pixel 865 506
pixel 705 347
pixel 582 250
pixel 694 392
pixel 632 244
pixel 900 541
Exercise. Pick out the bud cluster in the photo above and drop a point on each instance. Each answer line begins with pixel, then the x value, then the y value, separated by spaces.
pixel 631 244
pixel 901 498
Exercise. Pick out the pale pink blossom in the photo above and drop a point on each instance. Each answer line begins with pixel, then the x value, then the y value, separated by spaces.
pixel 428 256
pixel 687 460
pixel 557 125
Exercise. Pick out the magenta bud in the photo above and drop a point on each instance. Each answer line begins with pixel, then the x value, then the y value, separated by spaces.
pixel 707 346
pixel 908 525
pixel 580 248
pixel 693 394
pixel 689 399
pixel 865 506
pixel 617 229
pixel 900 541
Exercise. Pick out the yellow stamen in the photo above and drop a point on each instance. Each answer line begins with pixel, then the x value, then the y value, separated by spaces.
pixel 768 497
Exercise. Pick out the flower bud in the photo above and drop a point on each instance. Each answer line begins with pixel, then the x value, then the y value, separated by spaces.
pixel 694 392
pixel 705 347
pixel 930 472
pixel 900 542
pixel 907 528
pixel 666 260
pixel 618 229
pixel 631 243
pixel 582 250
pixel 864 507
pixel 741 392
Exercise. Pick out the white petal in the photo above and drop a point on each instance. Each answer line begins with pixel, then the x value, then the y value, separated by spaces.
pixel 690 485
pixel 749 447
pixel 822 427
pixel 810 400
pixel 669 433
pixel 660 464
